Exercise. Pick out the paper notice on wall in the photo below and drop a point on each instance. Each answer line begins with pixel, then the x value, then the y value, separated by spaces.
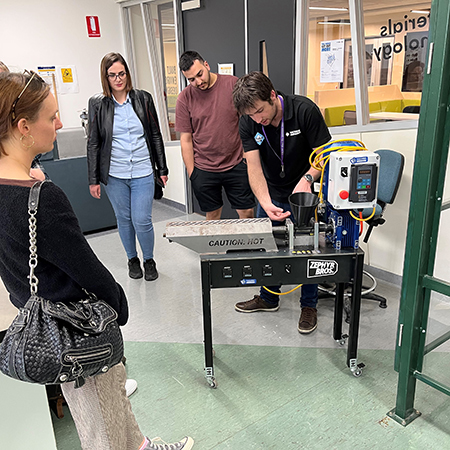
pixel 67 79
pixel 225 69
pixel 332 61
pixel 48 74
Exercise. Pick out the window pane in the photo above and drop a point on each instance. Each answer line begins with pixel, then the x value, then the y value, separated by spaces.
pixel 162 15
pixel 143 74
pixel 396 45
pixel 330 72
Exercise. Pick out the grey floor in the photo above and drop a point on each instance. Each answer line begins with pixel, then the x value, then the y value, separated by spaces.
pixel 277 389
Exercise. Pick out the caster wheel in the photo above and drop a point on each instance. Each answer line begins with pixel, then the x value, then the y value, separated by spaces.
pixel 213 384
pixel 357 373
pixel 342 342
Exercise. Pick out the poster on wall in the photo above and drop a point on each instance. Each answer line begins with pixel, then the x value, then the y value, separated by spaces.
pixel 48 74
pixel 225 68
pixel 67 79
pixel 332 61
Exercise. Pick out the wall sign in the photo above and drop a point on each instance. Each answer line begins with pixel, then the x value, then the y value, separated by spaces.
pixel 93 26
pixel 332 61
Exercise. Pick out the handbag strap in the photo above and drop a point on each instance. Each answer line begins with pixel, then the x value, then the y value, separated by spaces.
pixel 33 202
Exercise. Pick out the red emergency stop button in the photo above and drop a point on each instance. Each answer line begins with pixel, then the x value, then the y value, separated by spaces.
pixel 343 195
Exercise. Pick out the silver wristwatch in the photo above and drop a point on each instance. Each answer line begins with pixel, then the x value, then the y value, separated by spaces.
pixel 308 177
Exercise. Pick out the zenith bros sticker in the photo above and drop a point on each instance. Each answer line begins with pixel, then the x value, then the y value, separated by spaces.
pixel 248 281
pixel 321 268
pixel 359 159
pixel 259 138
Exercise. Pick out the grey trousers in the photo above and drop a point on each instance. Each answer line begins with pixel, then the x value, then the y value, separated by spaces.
pixel 102 412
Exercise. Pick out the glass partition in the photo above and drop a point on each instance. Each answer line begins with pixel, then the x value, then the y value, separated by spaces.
pixel 395 37
pixel 330 78
pixel 396 40
pixel 152 45
pixel 169 61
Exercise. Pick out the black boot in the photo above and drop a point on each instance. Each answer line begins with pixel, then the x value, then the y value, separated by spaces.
pixel 134 268
pixel 150 270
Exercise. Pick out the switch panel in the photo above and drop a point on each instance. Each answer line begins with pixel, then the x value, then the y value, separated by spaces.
pixel 247 272
pixel 267 270
pixel 227 272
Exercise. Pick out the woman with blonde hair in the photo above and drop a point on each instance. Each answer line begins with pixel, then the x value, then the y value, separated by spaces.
pixel 66 263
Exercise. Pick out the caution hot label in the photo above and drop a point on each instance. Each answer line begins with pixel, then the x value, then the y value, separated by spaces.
pixel 321 268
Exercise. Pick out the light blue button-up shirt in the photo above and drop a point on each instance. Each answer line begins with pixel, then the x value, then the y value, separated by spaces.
pixel 129 153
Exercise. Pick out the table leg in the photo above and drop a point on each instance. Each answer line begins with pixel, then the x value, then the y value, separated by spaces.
pixel 338 310
pixel 352 361
pixel 207 324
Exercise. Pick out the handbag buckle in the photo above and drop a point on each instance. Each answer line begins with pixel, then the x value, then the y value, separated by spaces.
pixel 22 317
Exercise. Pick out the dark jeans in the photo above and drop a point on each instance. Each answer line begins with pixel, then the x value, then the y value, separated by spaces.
pixel 309 294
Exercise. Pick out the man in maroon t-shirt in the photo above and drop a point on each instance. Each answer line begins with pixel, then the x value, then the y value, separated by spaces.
pixel 210 143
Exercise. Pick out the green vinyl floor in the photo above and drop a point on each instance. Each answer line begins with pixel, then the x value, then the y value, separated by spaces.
pixel 273 398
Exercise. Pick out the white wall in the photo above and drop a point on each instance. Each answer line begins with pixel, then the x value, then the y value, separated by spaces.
pixel 176 188
pixel 53 32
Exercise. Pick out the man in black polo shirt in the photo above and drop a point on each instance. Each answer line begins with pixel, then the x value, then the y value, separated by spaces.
pixel 278 132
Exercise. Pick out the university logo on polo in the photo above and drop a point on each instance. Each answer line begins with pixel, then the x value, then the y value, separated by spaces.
pixel 259 138
pixel 293 133
pixel 322 268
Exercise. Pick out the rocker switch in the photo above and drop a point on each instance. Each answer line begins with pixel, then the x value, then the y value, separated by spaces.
pixel 227 272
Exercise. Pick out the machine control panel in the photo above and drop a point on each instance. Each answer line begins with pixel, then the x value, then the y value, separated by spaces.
pixel 363 180
pixel 352 179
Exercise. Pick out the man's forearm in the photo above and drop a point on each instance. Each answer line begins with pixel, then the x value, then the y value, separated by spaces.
pixel 187 153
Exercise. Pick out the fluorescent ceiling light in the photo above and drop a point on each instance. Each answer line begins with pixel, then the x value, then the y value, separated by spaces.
pixel 417 11
pixel 324 8
pixel 335 22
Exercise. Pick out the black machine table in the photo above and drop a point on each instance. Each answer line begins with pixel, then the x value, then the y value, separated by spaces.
pixel 288 268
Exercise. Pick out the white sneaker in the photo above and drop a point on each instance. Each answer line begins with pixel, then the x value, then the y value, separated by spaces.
pixel 158 444
pixel 130 386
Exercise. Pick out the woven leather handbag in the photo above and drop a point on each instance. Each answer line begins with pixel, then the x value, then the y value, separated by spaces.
pixel 54 342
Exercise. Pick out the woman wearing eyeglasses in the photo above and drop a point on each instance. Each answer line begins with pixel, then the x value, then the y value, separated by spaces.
pixel 28 124
pixel 125 152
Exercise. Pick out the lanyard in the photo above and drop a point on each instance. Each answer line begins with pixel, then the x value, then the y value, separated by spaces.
pixel 282 174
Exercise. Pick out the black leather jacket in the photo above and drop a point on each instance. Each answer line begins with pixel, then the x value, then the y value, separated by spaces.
pixel 101 118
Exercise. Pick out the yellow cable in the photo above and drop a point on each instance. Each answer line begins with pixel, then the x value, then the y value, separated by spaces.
pixel 322 157
pixel 282 293
pixel 362 220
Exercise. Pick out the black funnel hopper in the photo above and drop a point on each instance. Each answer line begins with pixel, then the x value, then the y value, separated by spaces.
pixel 303 205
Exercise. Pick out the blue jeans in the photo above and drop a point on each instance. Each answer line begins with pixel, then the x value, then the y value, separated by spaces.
pixel 132 201
pixel 309 294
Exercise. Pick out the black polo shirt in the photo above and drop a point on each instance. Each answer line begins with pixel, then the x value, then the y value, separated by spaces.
pixel 304 130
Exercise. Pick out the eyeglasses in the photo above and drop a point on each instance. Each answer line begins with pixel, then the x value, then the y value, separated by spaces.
pixel 32 75
pixel 114 76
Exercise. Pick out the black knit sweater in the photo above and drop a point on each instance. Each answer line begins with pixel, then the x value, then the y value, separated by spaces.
pixel 66 262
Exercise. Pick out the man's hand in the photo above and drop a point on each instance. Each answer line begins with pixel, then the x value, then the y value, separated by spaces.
pixel 164 179
pixel 95 190
pixel 275 213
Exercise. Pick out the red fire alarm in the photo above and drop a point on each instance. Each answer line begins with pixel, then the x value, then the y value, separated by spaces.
pixel 93 26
